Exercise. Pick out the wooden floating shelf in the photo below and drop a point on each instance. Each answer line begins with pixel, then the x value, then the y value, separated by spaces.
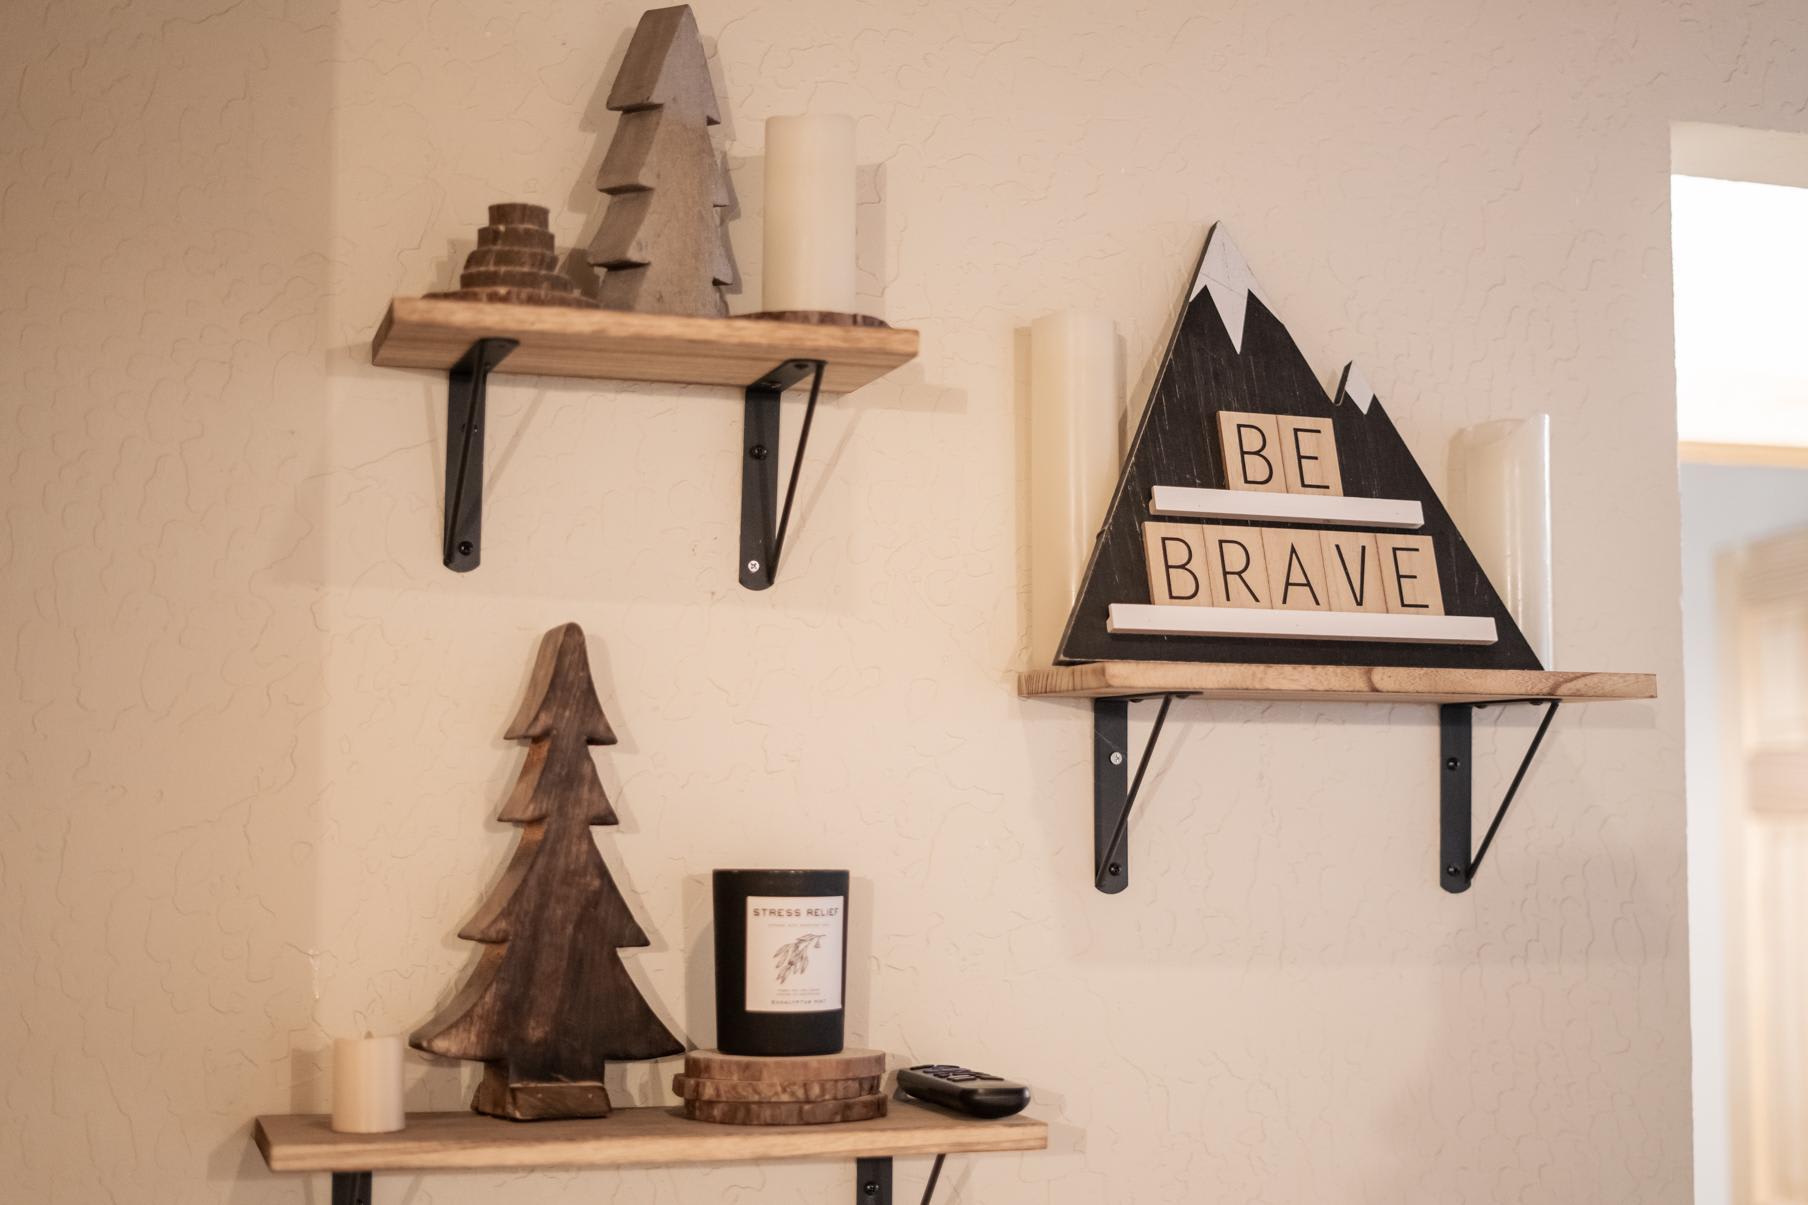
pixel 1327 683
pixel 628 1137
pixel 422 332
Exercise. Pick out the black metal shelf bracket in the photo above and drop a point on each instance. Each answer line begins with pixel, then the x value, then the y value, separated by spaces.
pixel 1113 790
pixel 465 419
pixel 351 1188
pixel 762 539
pixel 872 1181
pixel 1456 866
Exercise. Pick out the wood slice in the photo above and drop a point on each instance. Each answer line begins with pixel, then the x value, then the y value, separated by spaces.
pixel 516 278
pixel 513 257
pixel 819 318
pixel 520 213
pixel 808 1113
pixel 518 297
pixel 774 1091
pixel 806 1068
pixel 515 236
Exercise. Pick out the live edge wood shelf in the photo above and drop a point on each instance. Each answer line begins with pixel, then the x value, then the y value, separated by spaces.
pixel 628 1137
pixel 1112 685
pixel 469 340
pixel 555 341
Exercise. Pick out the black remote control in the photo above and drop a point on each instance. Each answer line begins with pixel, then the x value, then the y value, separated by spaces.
pixel 971 1092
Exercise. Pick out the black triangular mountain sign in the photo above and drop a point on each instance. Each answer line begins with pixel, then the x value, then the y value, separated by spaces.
pixel 1229 352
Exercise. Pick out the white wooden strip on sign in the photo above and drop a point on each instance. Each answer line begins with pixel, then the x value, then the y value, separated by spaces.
pixel 1145 619
pixel 1180 500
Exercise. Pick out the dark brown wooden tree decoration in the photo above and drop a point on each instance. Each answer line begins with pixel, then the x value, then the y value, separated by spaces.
pixel 662 245
pixel 550 1000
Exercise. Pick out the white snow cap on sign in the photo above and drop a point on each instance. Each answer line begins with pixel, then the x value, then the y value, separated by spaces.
pixel 1357 386
pixel 1226 273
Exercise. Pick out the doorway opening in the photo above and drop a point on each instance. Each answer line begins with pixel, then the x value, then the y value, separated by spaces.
pixel 1739 207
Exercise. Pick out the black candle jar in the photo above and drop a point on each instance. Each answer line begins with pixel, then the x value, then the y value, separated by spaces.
pixel 781 961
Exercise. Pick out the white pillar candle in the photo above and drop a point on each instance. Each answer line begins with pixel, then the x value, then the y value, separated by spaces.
pixel 1076 410
pixel 367 1085
pixel 808 259
pixel 1500 497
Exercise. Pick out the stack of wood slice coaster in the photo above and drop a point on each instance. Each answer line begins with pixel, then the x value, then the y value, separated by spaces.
pixel 750 1090
pixel 515 261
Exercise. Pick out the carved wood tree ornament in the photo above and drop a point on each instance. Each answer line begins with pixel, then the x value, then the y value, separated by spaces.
pixel 550 1000
pixel 662 245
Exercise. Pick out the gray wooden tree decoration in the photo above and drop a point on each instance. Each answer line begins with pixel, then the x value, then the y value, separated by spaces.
pixel 662 245
pixel 550 1000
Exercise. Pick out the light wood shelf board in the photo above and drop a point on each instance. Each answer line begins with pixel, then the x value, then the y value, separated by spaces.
pixel 422 332
pixel 1327 683
pixel 628 1137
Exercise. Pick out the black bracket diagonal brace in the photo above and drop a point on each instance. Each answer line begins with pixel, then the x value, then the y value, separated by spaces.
pixel 763 538
pixel 1113 790
pixel 465 419
pixel 1456 866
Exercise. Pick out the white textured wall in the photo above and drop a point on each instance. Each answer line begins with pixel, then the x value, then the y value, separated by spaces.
pixel 252 729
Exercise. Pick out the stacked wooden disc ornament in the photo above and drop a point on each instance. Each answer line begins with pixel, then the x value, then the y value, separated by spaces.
pixel 751 1090
pixel 515 262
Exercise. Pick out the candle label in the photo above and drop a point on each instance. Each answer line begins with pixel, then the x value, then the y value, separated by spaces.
pixel 794 953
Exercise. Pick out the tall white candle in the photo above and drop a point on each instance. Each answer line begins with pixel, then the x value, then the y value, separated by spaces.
pixel 1076 409
pixel 808 259
pixel 367 1085
pixel 1500 497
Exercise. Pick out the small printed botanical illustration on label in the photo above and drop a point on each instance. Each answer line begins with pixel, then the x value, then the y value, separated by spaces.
pixel 794 953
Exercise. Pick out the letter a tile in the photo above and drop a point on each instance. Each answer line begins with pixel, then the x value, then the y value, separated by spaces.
pixel 1296 570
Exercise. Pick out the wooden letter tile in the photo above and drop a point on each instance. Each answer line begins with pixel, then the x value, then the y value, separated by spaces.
pixel 1409 575
pixel 1309 456
pixel 1176 556
pixel 1296 570
pixel 1252 451
pixel 1353 571
pixel 1236 567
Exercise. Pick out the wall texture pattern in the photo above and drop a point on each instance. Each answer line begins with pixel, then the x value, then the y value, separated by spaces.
pixel 252 731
